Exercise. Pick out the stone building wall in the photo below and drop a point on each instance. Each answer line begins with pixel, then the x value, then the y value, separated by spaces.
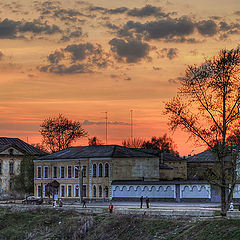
pixel 135 169
pixel 96 186
pixel 166 174
pixel 179 168
pixel 6 177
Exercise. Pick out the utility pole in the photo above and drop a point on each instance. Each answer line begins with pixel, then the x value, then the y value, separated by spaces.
pixel 106 127
pixel 106 117
pixel 131 116
pixel 80 176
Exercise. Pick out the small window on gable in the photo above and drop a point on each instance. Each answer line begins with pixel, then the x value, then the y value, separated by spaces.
pixel 10 151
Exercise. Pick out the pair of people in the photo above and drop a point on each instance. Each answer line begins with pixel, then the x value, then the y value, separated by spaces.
pixel 147 200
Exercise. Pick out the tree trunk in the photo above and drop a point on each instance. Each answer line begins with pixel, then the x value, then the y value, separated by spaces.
pixel 224 205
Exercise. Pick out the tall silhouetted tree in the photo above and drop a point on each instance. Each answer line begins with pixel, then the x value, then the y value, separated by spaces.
pixel 208 107
pixel 24 182
pixel 93 141
pixel 163 143
pixel 60 132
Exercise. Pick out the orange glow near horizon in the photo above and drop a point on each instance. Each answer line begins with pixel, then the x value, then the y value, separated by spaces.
pixel 84 58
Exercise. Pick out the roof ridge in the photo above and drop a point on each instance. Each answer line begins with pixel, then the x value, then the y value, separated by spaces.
pixel 114 150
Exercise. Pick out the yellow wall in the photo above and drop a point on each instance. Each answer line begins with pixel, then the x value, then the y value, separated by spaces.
pixel 179 168
pixel 135 169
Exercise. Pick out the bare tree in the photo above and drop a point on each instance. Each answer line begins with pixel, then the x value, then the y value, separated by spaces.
pixel 208 107
pixel 133 142
pixel 94 141
pixel 60 132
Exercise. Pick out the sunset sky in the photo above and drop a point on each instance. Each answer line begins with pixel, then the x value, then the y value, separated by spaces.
pixel 84 58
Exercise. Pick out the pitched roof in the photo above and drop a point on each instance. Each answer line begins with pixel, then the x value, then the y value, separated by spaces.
pixel 99 151
pixel 207 156
pixel 6 142
pixel 156 152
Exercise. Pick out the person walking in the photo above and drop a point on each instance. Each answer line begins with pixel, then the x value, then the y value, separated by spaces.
pixel 60 203
pixel 141 201
pixel 84 204
pixel 110 207
pixel 147 202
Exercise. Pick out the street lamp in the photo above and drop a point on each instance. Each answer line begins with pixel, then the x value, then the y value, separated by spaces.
pixel 80 176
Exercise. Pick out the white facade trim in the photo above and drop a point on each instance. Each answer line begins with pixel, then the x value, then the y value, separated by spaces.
pixel 68 160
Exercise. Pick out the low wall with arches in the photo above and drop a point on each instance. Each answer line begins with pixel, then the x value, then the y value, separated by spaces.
pixel 170 191
pixel 152 191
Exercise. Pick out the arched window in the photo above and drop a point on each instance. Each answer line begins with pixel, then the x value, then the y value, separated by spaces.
pixel 100 170
pixel 94 191
pixel 100 191
pixel 94 173
pixel 106 170
pixel 106 191
pixel 11 169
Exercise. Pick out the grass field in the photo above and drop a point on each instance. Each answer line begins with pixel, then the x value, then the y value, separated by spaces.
pixel 59 224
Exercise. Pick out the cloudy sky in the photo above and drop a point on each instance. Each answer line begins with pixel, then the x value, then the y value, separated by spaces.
pixel 84 58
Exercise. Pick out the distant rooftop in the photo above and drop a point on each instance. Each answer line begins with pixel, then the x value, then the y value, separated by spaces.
pixel 6 142
pixel 207 156
pixel 99 151
pixel 166 156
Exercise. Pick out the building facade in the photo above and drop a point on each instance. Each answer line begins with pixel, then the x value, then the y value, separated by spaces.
pixel 100 165
pixel 12 151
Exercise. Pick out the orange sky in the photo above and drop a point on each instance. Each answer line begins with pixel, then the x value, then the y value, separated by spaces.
pixel 85 58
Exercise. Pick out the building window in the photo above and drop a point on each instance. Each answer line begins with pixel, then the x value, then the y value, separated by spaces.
pixel 11 170
pixel 62 191
pixel 45 190
pixel 84 190
pixel 0 167
pixel 39 191
pixel 100 170
pixel 62 172
pixel 94 170
pixel 39 172
pixel 84 171
pixel 69 171
pixel 106 170
pixel 45 172
pixel 106 191
pixel 76 191
pixel 10 185
pixel 100 191
pixel 76 172
pixel 94 191
pixel 69 191
pixel 54 172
